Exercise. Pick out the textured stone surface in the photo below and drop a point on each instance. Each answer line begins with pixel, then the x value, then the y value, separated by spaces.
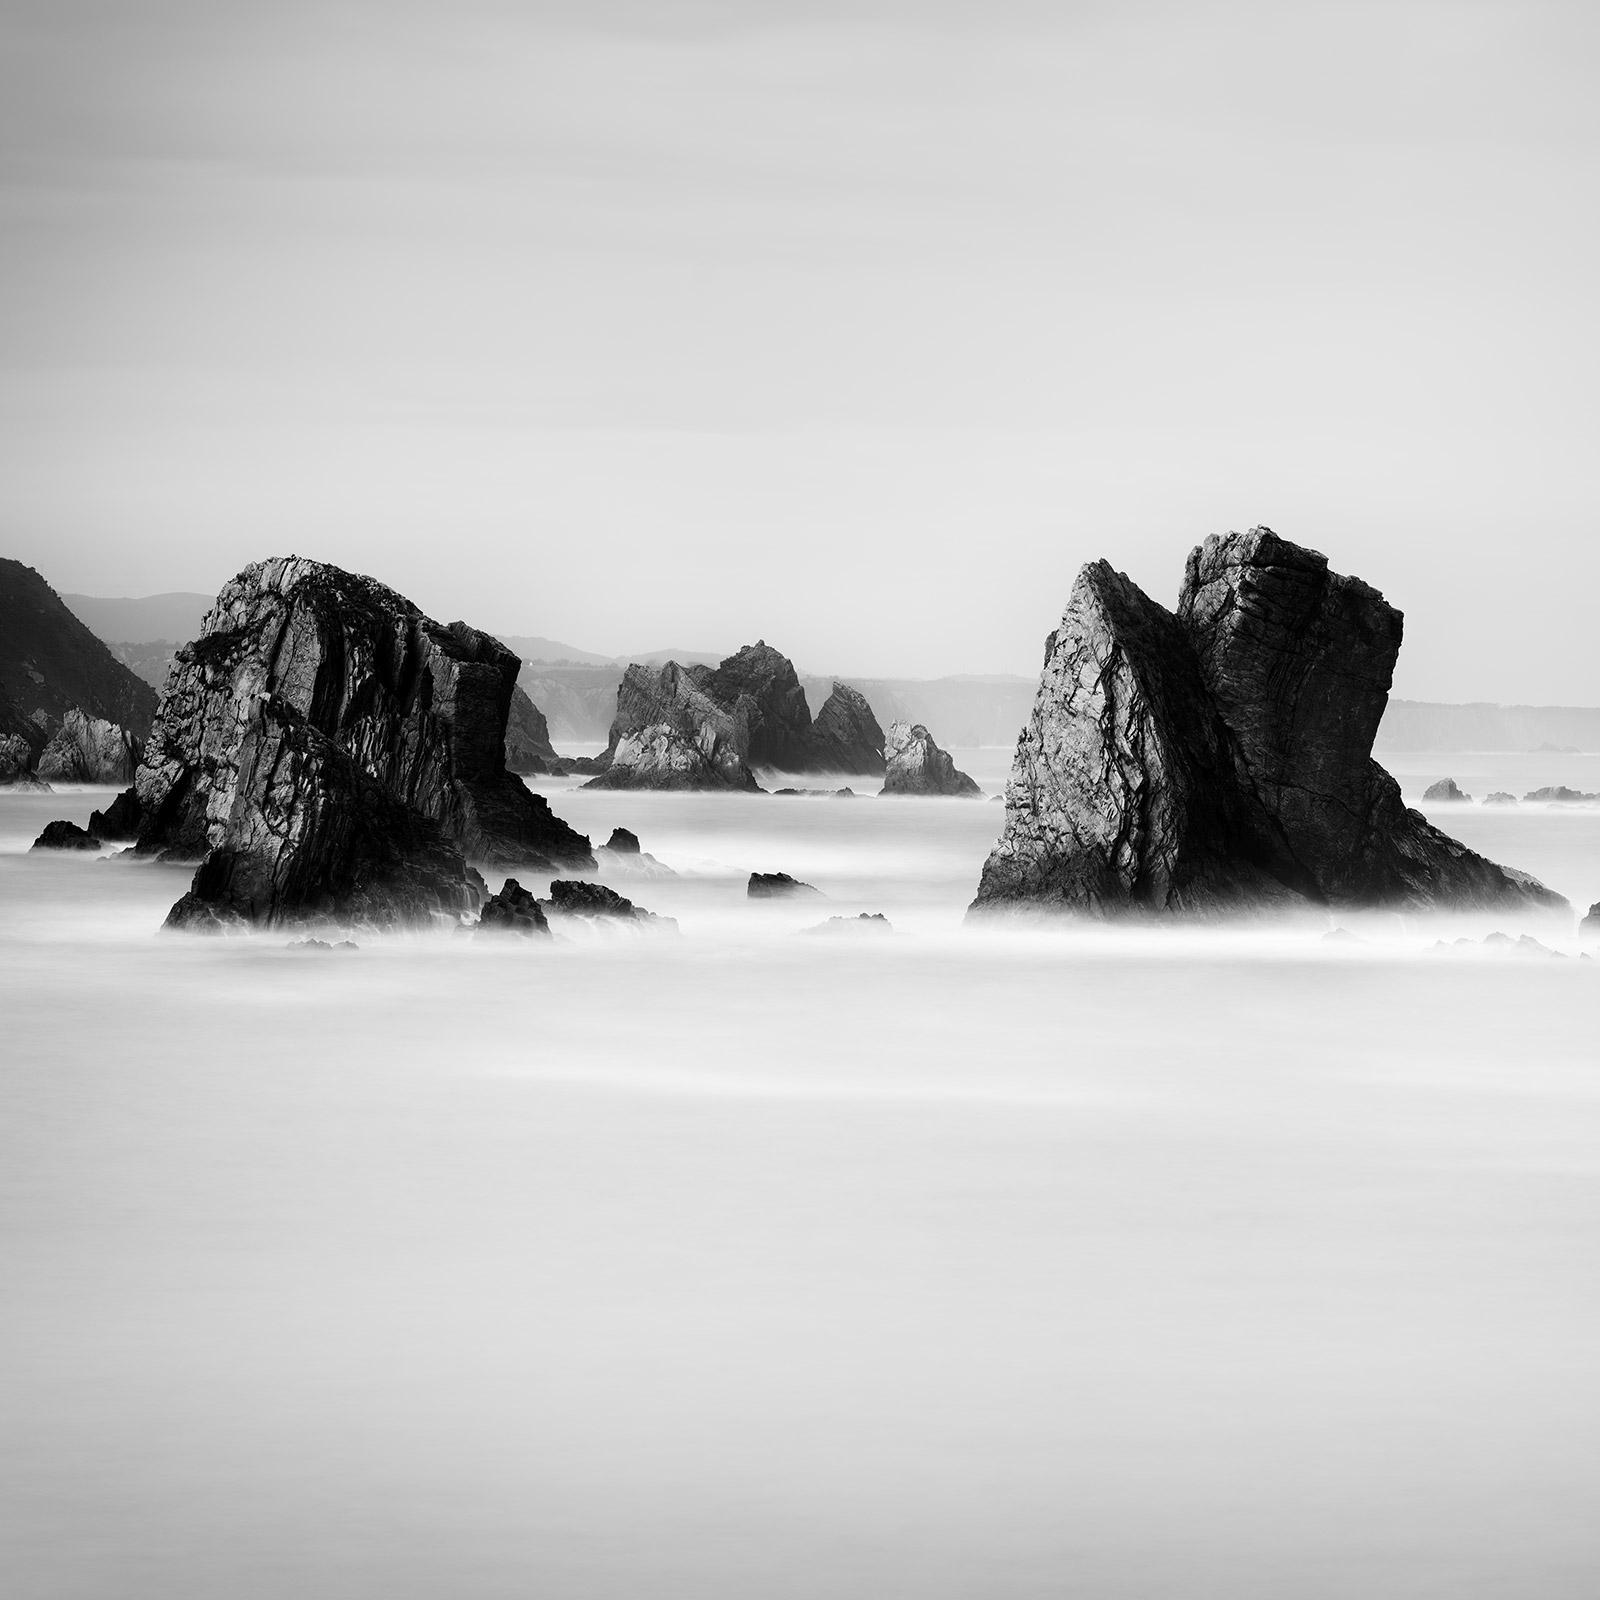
pixel 89 749
pixel 527 742
pixel 670 734
pixel 1220 758
pixel 418 707
pixel 16 758
pixel 776 886
pixel 310 836
pixel 1445 789
pixel 515 911
pixel 759 688
pixel 65 836
pixel 846 736
pixel 916 765
pixel 120 819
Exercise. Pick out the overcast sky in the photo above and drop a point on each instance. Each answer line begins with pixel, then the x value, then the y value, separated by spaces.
pixel 858 327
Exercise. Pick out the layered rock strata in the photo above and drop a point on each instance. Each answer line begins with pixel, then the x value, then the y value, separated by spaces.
pixel 914 764
pixel 1219 758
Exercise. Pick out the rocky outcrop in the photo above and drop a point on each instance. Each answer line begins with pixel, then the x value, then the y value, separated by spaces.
pixel 1590 926
pixel 1500 798
pixel 1560 794
pixel 65 836
pixel 1445 789
pixel 868 922
pixel 310 836
pixel 670 734
pixel 119 820
pixel 1219 759
pixel 89 749
pixel 623 842
pixel 760 690
pixel 916 765
pixel 515 911
pixel 846 736
pixel 776 886
pixel 528 747
pixel 418 708
pixel 16 761
pixel 593 902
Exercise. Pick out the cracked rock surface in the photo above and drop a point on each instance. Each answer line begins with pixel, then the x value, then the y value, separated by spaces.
pixel 914 764
pixel 1219 758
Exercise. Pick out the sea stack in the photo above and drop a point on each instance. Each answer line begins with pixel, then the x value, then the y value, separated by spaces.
pixel 916 765
pixel 1219 759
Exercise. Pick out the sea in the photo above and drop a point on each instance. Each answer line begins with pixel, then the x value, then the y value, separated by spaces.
pixel 778 1258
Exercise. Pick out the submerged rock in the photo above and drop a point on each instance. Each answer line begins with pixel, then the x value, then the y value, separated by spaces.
pixel 65 836
pixel 332 752
pixel 1444 789
pixel 515 911
pixel 120 819
pixel 89 749
pixel 916 765
pixel 1220 759
pixel 846 737
pixel 776 886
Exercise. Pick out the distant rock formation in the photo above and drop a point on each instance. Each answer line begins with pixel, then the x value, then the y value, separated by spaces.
pixel 1444 789
pixel 1561 794
pixel 760 690
pixel 65 836
pixel 1590 926
pixel 1219 759
pixel 865 922
pixel 846 737
pixel 89 749
pixel 670 734
pixel 528 747
pixel 120 820
pixel 623 842
pixel 1500 798
pixel 515 911
pixel 916 765
pixel 50 662
pixel 776 886
pixel 332 752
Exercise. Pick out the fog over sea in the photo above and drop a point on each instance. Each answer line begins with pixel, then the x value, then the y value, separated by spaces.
pixel 749 1264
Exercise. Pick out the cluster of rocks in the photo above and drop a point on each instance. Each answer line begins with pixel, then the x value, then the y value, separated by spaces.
pixel 1560 794
pixel 1218 758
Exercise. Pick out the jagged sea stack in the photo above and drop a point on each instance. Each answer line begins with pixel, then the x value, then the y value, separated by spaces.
pixel 669 734
pixel 1219 759
pixel 914 764
pixel 846 736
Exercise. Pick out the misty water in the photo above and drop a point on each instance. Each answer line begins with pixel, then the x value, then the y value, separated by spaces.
pixel 749 1262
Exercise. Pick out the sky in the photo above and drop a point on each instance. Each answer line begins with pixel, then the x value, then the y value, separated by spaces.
pixel 857 327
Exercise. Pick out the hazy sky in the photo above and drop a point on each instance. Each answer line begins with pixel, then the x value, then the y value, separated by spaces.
pixel 857 326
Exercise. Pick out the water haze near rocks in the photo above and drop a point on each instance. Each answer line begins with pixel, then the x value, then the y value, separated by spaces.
pixel 1116 1262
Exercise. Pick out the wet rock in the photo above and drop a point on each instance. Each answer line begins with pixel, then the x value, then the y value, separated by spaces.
pixel 1444 789
pixel 65 836
pixel 623 842
pixel 513 911
pixel 594 902
pixel 418 708
pixel 916 765
pixel 846 737
pixel 120 819
pixel 777 886
pixel 311 836
pixel 1561 794
pixel 1219 759
pixel 670 734
pixel 89 749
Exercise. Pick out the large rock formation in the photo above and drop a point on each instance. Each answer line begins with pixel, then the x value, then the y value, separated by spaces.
pixel 1220 758
pixel 760 690
pixel 418 707
pixel 528 747
pixel 1446 789
pixel 89 749
pixel 846 737
pixel 65 836
pixel 916 765
pixel 670 734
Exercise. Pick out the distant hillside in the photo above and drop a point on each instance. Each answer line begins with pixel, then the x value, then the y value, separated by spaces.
pixel 1427 725
pixel 174 617
pixel 50 661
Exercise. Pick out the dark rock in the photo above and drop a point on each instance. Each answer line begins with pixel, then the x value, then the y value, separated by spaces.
pixel 846 793
pixel 1562 794
pixel 1221 758
pixel 311 836
pixel 65 836
pixel 776 886
pixel 623 842
pixel 321 944
pixel 573 898
pixel 866 922
pixel 50 662
pixel 120 819
pixel 89 749
pixel 670 734
pixel 760 689
pixel 1444 789
pixel 916 765
pixel 846 737
pixel 514 910
pixel 527 743
pixel 579 766
pixel 1500 798
pixel 419 708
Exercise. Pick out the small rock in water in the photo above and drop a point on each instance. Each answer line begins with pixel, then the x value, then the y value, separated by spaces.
pixel 866 922
pixel 1500 798
pixel 1444 789
pixel 571 897
pixel 513 911
pixel 623 841
pixel 120 819
pixel 776 885
pixel 65 836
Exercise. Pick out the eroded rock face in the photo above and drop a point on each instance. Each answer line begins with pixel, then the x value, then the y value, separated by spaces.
pixel 1221 758
pixel 670 734
pixel 419 708
pixel 89 750
pixel 846 737
pixel 914 764
pixel 528 747
pixel 310 836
